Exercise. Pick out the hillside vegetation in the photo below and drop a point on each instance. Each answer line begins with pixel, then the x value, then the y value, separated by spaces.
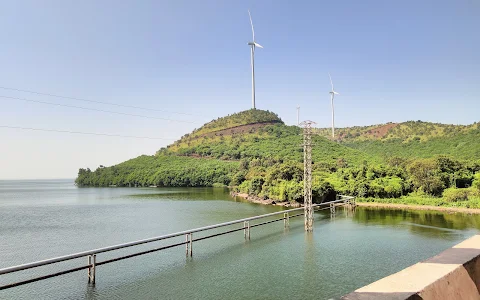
pixel 160 171
pixel 406 132
pixel 464 146
pixel 252 116
pixel 256 153
pixel 411 139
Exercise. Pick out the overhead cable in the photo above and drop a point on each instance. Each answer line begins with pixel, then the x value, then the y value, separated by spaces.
pixel 94 101
pixel 95 109
pixel 85 133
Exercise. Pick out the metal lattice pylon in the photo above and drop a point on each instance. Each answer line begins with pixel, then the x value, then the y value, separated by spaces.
pixel 307 174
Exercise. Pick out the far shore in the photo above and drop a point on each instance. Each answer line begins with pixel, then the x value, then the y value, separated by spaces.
pixel 255 199
pixel 421 207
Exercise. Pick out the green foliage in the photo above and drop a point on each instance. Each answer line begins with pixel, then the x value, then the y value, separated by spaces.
pixel 321 191
pixel 476 181
pixel 160 171
pixel 453 197
pixel 251 116
pixel 408 162
pixel 464 145
pixel 425 175
pixel 252 186
pixel 238 178
pixel 218 185
pixel 454 194
pixel 408 200
pixel 285 190
pixel 406 132
pixel 272 144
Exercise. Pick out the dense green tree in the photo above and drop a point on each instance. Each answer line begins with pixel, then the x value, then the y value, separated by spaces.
pixel 425 175
pixel 476 181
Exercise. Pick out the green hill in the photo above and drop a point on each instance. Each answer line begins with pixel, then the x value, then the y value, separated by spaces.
pixel 462 146
pixel 407 131
pixel 258 154
pixel 276 142
pixel 413 139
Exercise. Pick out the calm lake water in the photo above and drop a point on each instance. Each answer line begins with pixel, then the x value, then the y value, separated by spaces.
pixel 47 218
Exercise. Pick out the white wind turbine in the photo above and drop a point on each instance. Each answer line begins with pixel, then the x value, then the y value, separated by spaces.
pixel 332 95
pixel 253 44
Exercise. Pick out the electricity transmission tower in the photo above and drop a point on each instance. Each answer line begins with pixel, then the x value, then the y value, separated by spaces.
pixel 307 174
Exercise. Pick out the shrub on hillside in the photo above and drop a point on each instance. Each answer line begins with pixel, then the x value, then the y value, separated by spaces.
pixel 284 190
pixel 322 191
pixel 456 195
pixel 425 174
pixel 476 181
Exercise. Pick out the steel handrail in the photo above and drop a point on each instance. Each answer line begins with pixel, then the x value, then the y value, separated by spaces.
pixel 149 240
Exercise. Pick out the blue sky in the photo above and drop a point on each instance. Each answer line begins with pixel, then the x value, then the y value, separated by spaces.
pixel 390 61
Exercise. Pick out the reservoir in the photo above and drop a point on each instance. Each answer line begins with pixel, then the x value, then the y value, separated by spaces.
pixel 42 219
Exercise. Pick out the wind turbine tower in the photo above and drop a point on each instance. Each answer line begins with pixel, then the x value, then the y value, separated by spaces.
pixel 298 115
pixel 253 44
pixel 332 96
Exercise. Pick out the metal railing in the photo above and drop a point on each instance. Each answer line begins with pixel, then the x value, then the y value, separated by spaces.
pixel 91 254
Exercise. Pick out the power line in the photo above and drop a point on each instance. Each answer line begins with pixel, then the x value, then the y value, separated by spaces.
pixel 95 109
pixel 85 133
pixel 94 101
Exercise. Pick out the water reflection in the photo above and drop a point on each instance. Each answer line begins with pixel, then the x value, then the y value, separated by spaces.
pixel 421 222
pixel 184 194
pixel 310 268
pixel 357 247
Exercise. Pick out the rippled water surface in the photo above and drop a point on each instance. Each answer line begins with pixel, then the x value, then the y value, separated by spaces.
pixel 47 218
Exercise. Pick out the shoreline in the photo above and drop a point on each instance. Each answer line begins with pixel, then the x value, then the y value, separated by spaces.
pixel 258 200
pixel 472 211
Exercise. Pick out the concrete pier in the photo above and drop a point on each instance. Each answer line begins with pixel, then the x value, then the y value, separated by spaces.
pixel 452 274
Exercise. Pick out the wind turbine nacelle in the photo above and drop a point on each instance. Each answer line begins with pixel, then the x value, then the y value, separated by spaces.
pixel 251 44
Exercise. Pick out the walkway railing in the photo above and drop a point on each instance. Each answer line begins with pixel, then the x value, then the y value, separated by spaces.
pixel 91 255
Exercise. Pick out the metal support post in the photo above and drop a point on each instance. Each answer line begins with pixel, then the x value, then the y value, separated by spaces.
pixel 188 244
pixel 92 261
pixel 332 209
pixel 286 220
pixel 246 229
pixel 191 244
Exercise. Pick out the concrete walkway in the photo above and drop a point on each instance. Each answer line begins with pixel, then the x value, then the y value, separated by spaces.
pixel 453 274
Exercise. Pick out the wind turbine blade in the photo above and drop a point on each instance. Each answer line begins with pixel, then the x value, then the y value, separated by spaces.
pixel 251 23
pixel 336 93
pixel 258 45
pixel 331 82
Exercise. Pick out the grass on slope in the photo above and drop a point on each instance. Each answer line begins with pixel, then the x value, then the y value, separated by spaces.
pixel 461 146
pixel 242 118
pixel 407 131
pixel 279 142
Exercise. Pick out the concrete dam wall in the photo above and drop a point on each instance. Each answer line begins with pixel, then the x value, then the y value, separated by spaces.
pixel 452 274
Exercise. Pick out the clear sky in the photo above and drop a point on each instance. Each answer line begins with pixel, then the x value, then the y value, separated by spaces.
pixel 391 61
